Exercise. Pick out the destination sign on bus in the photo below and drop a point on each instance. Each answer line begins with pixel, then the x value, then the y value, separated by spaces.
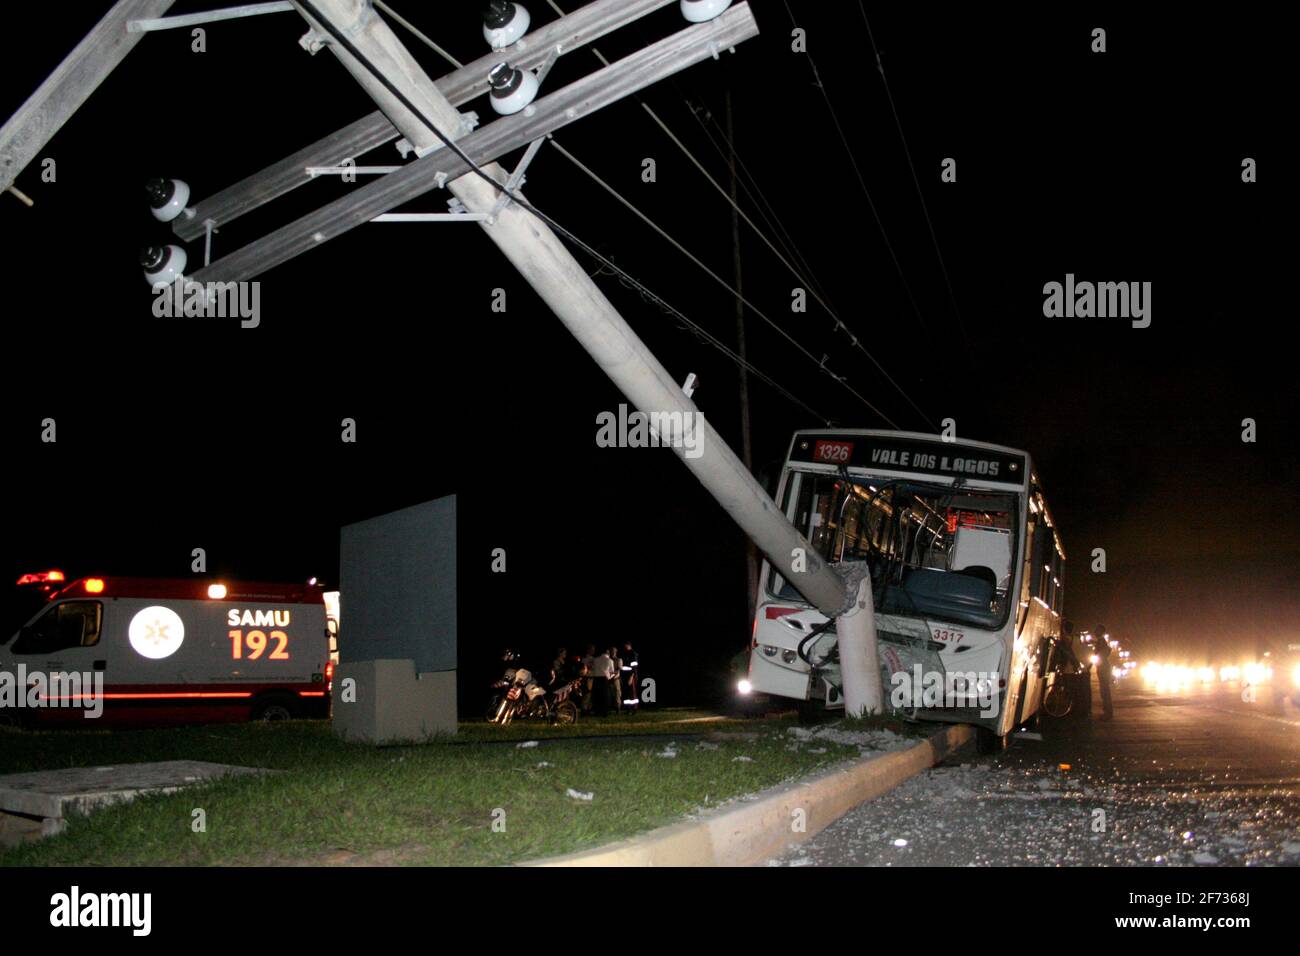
pixel 910 455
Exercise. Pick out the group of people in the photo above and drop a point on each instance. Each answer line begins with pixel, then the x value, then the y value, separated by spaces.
pixel 609 678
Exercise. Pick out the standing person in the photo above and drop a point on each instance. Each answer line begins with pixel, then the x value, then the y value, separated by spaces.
pixel 628 678
pixel 601 668
pixel 560 667
pixel 1103 672
pixel 588 679
pixel 616 684
pixel 1083 654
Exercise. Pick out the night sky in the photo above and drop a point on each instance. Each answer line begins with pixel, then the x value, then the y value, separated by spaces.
pixel 1123 166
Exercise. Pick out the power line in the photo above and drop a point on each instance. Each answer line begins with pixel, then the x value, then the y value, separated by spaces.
pixel 420 36
pixel 755 194
pixel 352 50
pixel 952 297
pixel 839 323
pixel 523 204
pixel 701 333
pixel 713 275
pixel 761 202
pixel 853 161
pixel 813 286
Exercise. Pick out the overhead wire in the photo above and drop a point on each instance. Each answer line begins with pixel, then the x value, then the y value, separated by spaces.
pixel 840 325
pixel 814 286
pixel 880 66
pixel 396 92
pixel 862 182
pixel 705 268
pixel 663 126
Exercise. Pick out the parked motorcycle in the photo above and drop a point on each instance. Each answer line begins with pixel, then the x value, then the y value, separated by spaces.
pixel 527 699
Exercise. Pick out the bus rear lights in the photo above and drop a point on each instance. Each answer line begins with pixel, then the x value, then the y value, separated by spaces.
pixel 217 592
pixel 94 585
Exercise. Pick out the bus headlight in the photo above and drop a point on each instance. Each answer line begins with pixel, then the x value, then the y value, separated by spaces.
pixel 769 650
pixel 789 656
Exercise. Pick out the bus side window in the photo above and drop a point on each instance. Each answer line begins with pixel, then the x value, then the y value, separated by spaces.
pixel 1057 584
pixel 71 624
pixel 1044 553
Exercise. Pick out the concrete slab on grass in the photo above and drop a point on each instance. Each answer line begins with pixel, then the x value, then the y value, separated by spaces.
pixel 53 794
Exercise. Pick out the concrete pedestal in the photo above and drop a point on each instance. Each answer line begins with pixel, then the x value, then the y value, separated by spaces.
pixel 392 703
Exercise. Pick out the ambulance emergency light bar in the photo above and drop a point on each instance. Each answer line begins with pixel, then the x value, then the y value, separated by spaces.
pixel 176 589
pixel 41 577
pixel 557 38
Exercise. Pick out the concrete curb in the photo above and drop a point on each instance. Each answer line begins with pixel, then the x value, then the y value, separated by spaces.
pixel 759 829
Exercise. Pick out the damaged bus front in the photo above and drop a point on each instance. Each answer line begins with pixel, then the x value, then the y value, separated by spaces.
pixel 966 570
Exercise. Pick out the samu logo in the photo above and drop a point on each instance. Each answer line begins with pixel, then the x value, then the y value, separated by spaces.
pixel 156 632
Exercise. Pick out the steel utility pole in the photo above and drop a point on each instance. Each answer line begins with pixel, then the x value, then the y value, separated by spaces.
pixel 564 285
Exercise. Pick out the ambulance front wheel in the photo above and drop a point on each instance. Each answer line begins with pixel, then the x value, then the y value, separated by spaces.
pixel 273 707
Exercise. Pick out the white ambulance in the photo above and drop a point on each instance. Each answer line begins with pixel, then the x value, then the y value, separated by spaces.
pixel 158 652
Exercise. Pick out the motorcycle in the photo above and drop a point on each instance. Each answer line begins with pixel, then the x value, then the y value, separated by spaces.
pixel 529 700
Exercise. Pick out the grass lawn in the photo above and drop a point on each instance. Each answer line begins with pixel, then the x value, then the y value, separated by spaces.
pixel 432 803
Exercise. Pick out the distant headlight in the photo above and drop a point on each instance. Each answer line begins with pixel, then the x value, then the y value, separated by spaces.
pixel 744 687
pixel 1295 676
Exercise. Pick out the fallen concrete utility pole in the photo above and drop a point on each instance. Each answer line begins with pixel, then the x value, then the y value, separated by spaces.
pixel 370 50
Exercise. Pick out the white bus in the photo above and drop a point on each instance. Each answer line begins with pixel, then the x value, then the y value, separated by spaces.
pixel 966 566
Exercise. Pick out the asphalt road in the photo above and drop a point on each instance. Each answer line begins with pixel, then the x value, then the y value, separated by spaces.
pixel 1198 777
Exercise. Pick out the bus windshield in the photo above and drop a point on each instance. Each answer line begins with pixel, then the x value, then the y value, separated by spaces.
pixel 934 551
